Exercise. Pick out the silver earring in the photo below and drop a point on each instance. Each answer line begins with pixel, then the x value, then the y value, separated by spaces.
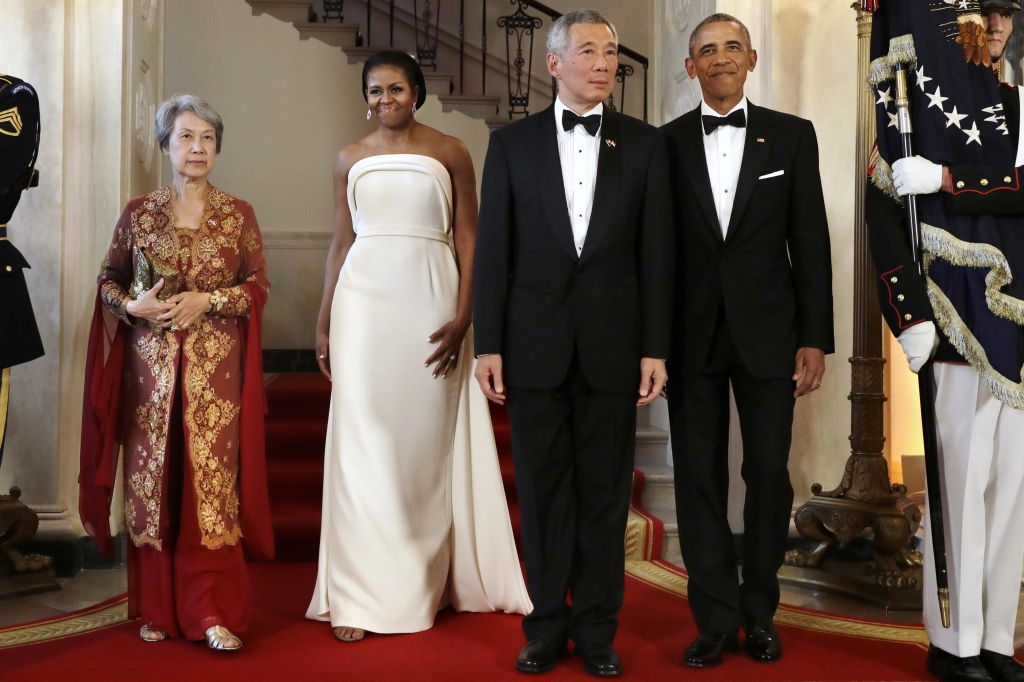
pixel 413 109
pixel 368 114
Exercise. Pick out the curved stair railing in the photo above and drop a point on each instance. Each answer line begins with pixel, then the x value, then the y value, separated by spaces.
pixel 521 28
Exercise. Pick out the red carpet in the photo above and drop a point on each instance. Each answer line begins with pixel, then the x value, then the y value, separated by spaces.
pixel 296 428
pixel 655 623
pixel 282 645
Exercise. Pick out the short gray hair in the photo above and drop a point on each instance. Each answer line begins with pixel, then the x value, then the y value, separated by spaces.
pixel 721 17
pixel 558 36
pixel 169 111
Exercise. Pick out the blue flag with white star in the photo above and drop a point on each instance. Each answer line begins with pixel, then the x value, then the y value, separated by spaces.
pixel 958 120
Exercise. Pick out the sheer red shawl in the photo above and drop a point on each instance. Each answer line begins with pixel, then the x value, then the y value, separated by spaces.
pixel 101 432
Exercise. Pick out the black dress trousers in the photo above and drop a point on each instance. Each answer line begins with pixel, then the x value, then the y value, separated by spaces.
pixel 573 449
pixel 699 415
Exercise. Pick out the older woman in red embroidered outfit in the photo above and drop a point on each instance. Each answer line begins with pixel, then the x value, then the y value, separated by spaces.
pixel 178 385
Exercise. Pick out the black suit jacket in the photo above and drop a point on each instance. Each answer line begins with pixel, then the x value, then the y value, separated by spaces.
pixel 535 301
pixel 772 273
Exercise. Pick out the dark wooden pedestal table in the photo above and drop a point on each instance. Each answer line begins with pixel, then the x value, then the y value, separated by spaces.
pixel 21 574
pixel 864 498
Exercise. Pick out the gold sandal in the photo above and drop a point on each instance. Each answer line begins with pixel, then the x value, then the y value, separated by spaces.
pixel 222 639
pixel 149 635
pixel 337 631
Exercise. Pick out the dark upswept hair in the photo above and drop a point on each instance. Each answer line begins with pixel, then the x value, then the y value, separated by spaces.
pixel 399 60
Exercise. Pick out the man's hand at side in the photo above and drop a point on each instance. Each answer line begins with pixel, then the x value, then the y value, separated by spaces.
pixel 810 368
pixel 488 375
pixel 652 380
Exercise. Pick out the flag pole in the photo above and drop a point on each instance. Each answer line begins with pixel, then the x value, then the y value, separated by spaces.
pixel 926 377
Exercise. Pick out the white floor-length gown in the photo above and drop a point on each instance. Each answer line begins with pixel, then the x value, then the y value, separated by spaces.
pixel 414 512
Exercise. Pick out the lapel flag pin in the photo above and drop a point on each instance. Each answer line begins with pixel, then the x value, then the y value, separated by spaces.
pixel 760 139
pixel 610 143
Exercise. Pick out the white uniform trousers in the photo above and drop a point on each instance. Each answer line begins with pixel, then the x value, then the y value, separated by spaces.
pixel 981 450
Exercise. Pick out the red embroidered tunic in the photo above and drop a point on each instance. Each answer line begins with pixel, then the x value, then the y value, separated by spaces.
pixel 224 257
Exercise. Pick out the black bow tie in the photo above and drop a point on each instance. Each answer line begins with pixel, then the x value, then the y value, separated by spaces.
pixel 591 123
pixel 737 119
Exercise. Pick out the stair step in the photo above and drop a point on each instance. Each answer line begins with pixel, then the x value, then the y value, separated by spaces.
pixel 295 479
pixel 651 446
pixel 659 487
pixel 439 84
pixel 477 106
pixel 292 11
pixel 497 122
pixel 360 53
pixel 338 35
pixel 670 551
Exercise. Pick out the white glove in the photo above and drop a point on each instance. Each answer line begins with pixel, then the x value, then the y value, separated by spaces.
pixel 916 175
pixel 919 344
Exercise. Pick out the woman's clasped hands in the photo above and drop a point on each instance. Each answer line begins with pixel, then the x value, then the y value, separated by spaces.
pixel 177 312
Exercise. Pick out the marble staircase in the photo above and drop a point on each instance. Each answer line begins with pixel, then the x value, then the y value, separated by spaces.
pixel 654 459
pixel 347 37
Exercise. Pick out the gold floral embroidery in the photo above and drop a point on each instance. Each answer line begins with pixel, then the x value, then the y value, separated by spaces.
pixel 129 511
pixel 231 302
pixel 206 415
pixel 251 242
pixel 158 352
pixel 115 299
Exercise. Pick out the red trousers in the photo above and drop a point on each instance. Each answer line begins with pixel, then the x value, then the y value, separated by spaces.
pixel 185 588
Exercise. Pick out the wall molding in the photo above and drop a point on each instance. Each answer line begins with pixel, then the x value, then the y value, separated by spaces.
pixel 297 241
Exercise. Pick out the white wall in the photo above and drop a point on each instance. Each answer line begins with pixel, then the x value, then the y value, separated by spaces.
pixel 815 77
pixel 71 53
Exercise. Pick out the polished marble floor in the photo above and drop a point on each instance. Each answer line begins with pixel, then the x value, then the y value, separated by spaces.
pixel 85 589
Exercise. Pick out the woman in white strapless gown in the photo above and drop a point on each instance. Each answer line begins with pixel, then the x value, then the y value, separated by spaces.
pixel 414 512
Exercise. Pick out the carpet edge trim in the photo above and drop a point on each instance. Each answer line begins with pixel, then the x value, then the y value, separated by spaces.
pixel 658 576
pixel 76 623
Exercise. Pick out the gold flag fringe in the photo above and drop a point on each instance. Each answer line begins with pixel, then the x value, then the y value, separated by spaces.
pixel 939 243
pixel 881 175
pixel 901 51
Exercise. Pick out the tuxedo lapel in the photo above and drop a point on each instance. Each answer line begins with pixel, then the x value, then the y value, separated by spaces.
pixel 696 164
pixel 552 187
pixel 606 186
pixel 756 148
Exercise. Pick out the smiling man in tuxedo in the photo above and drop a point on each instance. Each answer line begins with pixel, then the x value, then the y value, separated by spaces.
pixel 572 308
pixel 753 308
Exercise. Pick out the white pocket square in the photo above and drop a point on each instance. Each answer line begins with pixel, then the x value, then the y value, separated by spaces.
pixel 772 175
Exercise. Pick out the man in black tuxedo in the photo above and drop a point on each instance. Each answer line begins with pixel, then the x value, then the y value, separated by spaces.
pixel 753 295
pixel 572 303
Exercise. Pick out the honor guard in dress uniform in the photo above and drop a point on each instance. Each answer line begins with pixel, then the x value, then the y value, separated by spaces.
pixel 19 146
pixel 980 422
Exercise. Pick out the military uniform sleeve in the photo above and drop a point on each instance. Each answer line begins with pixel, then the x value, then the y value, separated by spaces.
pixel 902 293
pixel 117 269
pixel 235 301
pixel 985 190
pixel 19 119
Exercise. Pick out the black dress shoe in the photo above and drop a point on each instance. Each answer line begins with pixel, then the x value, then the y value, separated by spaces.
pixel 706 650
pixel 763 643
pixel 539 656
pixel 1002 668
pixel 950 668
pixel 601 660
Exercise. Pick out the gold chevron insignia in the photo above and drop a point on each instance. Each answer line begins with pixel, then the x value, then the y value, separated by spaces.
pixel 10 122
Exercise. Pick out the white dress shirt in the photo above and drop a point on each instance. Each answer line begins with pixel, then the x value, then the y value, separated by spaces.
pixel 723 150
pixel 578 151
